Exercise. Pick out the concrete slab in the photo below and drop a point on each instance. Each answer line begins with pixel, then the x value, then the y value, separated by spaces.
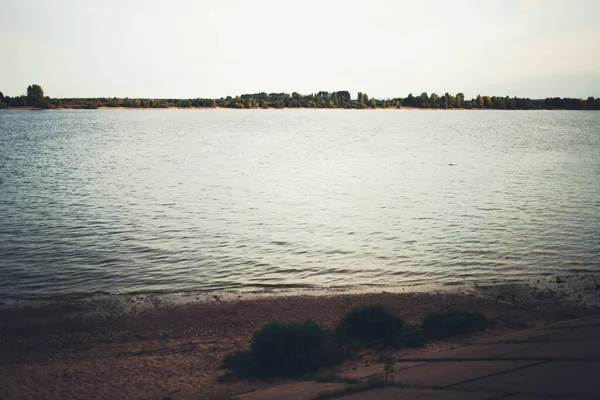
pixel 584 349
pixel 578 322
pixel 376 370
pixel 565 378
pixel 391 393
pixel 526 397
pixel 574 333
pixel 531 335
pixel 482 351
pixel 503 374
pixel 545 332
pixel 294 391
pixel 442 374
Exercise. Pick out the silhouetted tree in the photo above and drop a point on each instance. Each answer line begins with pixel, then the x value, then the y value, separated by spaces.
pixel 460 100
pixel 35 96
pixel 424 100
pixel 433 100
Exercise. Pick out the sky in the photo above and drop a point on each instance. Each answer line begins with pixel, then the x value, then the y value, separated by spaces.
pixel 386 48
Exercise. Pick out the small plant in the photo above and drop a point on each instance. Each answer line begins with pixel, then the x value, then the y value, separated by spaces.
pixel 285 349
pixel 388 372
pixel 372 326
pixel 452 323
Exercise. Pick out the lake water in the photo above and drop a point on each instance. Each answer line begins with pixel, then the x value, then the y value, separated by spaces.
pixel 174 200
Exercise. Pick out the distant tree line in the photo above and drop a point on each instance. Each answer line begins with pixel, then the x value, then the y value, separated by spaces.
pixel 340 99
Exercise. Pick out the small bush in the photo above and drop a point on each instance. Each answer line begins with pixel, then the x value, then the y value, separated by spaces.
pixel 288 349
pixel 372 326
pixel 452 323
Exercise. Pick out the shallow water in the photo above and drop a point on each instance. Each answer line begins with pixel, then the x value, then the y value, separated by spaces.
pixel 173 200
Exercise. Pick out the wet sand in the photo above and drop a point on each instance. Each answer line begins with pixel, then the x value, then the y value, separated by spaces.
pixel 142 348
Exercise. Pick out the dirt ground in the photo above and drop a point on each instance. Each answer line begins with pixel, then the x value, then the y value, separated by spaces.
pixel 157 350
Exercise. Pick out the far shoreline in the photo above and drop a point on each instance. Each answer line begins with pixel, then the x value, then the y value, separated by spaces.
pixel 342 99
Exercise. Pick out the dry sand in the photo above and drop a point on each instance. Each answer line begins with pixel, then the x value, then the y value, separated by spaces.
pixel 102 350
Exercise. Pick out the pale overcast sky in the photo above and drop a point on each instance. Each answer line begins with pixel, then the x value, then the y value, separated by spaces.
pixel 386 48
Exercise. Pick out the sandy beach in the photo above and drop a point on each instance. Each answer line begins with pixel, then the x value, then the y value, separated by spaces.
pixel 142 348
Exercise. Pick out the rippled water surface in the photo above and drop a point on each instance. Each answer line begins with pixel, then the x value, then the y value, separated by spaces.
pixel 171 200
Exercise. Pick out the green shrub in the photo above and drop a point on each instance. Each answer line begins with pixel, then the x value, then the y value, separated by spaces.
pixel 286 349
pixel 452 323
pixel 372 326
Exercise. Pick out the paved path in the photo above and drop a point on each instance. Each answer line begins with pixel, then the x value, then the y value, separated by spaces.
pixel 560 361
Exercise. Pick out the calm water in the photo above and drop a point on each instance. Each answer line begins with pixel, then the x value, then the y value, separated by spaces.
pixel 172 200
